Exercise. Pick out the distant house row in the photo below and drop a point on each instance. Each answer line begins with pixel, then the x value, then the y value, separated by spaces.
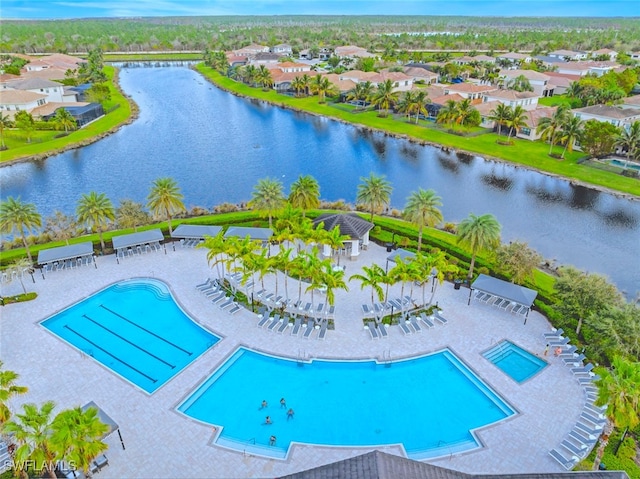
pixel 36 92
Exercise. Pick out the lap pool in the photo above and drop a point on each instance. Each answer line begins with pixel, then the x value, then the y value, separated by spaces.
pixel 136 329
pixel 430 405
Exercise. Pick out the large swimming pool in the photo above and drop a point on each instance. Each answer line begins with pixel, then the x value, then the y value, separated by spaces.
pixel 136 329
pixel 431 404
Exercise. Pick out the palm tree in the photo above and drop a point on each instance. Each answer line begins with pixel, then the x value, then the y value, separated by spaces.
pixel 619 389
pixel 500 114
pixel 332 279
pixel 5 122
pixel 384 97
pixel 77 436
pixel 165 199
pixel 570 133
pixel 298 85
pixel 407 104
pixel 322 87
pixel 250 72
pixel 549 126
pixel 361 92
pixel 422 210
pixel 478 233
pixel 16 216
pixel 65 120
pixel 629 140
pixel 95 211
pixel 264 78
pixel 8 389
pixel 520 83
pixel 18 268
pixel 267 196
pixel 375 192
pixel 466 113
pixel 448 113
pixel 371 277
pixel 305 193
pixel 422 100
pixel 216 247
pixel 32 431
pixel 517 120
pixel 334 239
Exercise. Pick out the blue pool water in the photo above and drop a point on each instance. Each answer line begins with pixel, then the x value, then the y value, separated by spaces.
pixel 630 165
pixel 430 404
pixel 515 361
pixel 136 329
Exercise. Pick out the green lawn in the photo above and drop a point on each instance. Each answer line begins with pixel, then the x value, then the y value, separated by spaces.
pixel 152 57
pixel 522 152
pixel 44 144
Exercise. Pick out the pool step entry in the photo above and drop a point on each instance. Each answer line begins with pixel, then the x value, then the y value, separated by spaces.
pixel 499 352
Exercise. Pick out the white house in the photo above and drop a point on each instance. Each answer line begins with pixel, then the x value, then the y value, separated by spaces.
pixel 352 51
pixel 53 91
pixel 538 81
pixel 525 99
pixel 16 100
pixel 612 54
pixel 514 58
pixel 282 49
pixel 468 90
pixel 568 55
pixel 620 117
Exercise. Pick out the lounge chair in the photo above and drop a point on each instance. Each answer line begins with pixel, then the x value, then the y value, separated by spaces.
pixel 425 319
pixel 308 330
pixel 566 463
pixel 235 309
pixel 268 297
pixel 278 299
pixel 572 359
pixel 366 310
pixel 441 319
pixel 516 308
pixel 584 381
pixel 307 307
pixel 331 311
pixel 323 330
pixel 581 438
pixel 226 304
pixel 212 291
pixel 284 325
pixel 204 285
pixel 596 421
pixel 584 369
pixel 505 305
pixel 371 326
pixel 320 308
pixel 219 297
pixel 554 334
pixel 297 323
pixel 403 326
pixel 414 322
pixel 260 293
pixel 263 319
pixel 524 310
pixel 587 429
pixel 382 330
pixel 274 323
pixel 498 302
pixel 487 298
pixel 554 343
pixel 579 451
pixel 378 308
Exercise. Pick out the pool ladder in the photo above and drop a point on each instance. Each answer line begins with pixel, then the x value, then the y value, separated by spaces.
pixel 301 358
pixel 386 358
pixel 250 441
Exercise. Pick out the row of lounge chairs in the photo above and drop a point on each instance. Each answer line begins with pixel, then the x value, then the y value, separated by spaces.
pixel 408 324
pixel 501 303
pixel 138 250
pixel 215 291
pixel 295 308
pixel 584 435
pixel 190 243
pixel 380 309
pixel 299 327
pixel 68 264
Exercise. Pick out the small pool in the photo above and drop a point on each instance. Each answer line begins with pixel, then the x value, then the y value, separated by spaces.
pixel 625 164
pixel 136 329
pixel 515 361
pixel 431 405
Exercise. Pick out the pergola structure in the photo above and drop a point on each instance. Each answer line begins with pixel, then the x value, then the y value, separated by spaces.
pixel 257 234
pixel 70 256
pixel 351 225
pixel 105 419
pixel 191 235
pixel 503 294
pixel 138 243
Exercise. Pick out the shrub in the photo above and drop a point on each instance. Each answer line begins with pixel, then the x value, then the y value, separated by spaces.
pixel 225 208
pixel 450 228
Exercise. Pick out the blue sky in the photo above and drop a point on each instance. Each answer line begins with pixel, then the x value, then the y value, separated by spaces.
pixel 37 9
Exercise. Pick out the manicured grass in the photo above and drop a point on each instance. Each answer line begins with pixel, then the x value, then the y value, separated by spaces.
pixel 522 152
pixel 79 137
pixel 554 100
pixel 152 57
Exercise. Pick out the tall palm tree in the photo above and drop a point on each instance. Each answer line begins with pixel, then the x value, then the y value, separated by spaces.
pixel 500 114
pixel 264 78
pixel 571 132
pixel 422 100
pixel 375 192
pixel 384 97
pixel 250 73
pixel 371 277
pixel 18 268
pixel 305 193
pixel 407 104
pixel 361 91
pixel 619 389
pixel 448 113
pixel 8 389
pixel 298 85
pixel 321 86
pixel 335 240
pixel 65 120
pixel 332 279
pixel 267 197
pixel 5 122
pixel 629 140
pixel 550 126
pixel 77 436
pixel 32 431
pixel 478 233
pixel 16 216
pixel 517 120
pixel 216 248
pixel 422 210
pixel 95 210
pixel 165 199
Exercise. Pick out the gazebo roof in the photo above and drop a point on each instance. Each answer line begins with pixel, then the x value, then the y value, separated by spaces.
pixel 104 418
pixel 65 252
pixel 195 231
pixel 134 239
pixel 504 289
pixel 350 224
pixel 254 233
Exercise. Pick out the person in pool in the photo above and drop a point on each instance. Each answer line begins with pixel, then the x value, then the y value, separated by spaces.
pixel 272 441
pixel 267 421
pixel 264 404
pixel 283 403
pixel 290 414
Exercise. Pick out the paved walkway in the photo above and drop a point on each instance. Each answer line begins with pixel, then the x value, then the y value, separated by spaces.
pixel 163 443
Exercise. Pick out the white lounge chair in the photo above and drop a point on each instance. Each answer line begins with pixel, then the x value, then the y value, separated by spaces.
pixel 371 326
pixel 425 319
pixel 568 464
pixel 580 451
pixel 263 319
pixel 284 325
pixel 414 322
pixel 274 323
pixel 323 330
pixel 308 330
pixel 403 326
pixel 297 323
pixel 441 319
pixel 382 330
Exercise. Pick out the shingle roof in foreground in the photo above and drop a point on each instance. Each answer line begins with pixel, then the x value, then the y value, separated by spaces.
pixel 380 465
pixel 350 224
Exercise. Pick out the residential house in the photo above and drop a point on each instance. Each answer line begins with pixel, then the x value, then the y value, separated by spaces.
pixel 532 121
pixel 305 54
pixel 419 74
pixel 437 102
pixel 264 58
pixel 324 54
pixel 634 55
pixel 236 60
pixel 58 61
pixel 282 49
pixel 401 81
pixel 352 51
pixel 485 109
pixel 631 102
pixel 620 117
pixel 513 58
pixel 560 82
pixel 484 59
pixel 251 50
pixel 549 62
pixel 284 73
pixel 17 100
pixel 538 81
pixel 466 60
pixel 568 55
pixel 525 99
pixel 469 90
pixel 342 85
pixel 612 54
pixel 585 68
pixel 289 67
pixel 52 90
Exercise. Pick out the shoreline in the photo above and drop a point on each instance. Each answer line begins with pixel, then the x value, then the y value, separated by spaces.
pixel 573 181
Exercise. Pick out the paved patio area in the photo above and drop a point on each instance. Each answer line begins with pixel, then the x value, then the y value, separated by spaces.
pixel 163 443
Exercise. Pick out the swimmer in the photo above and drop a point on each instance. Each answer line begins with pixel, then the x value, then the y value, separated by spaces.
pixel 264 404
pixel 290 414
pixel 268 420
pixel 283 403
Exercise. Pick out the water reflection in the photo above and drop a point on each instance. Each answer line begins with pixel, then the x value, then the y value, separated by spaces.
pixel 497 181
pixel 583 198
pixel 448 163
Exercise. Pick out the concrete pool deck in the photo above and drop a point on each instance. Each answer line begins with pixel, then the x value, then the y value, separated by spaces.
pixel 161 442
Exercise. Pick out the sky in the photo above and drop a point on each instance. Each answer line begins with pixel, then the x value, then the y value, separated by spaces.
pixel 59 9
